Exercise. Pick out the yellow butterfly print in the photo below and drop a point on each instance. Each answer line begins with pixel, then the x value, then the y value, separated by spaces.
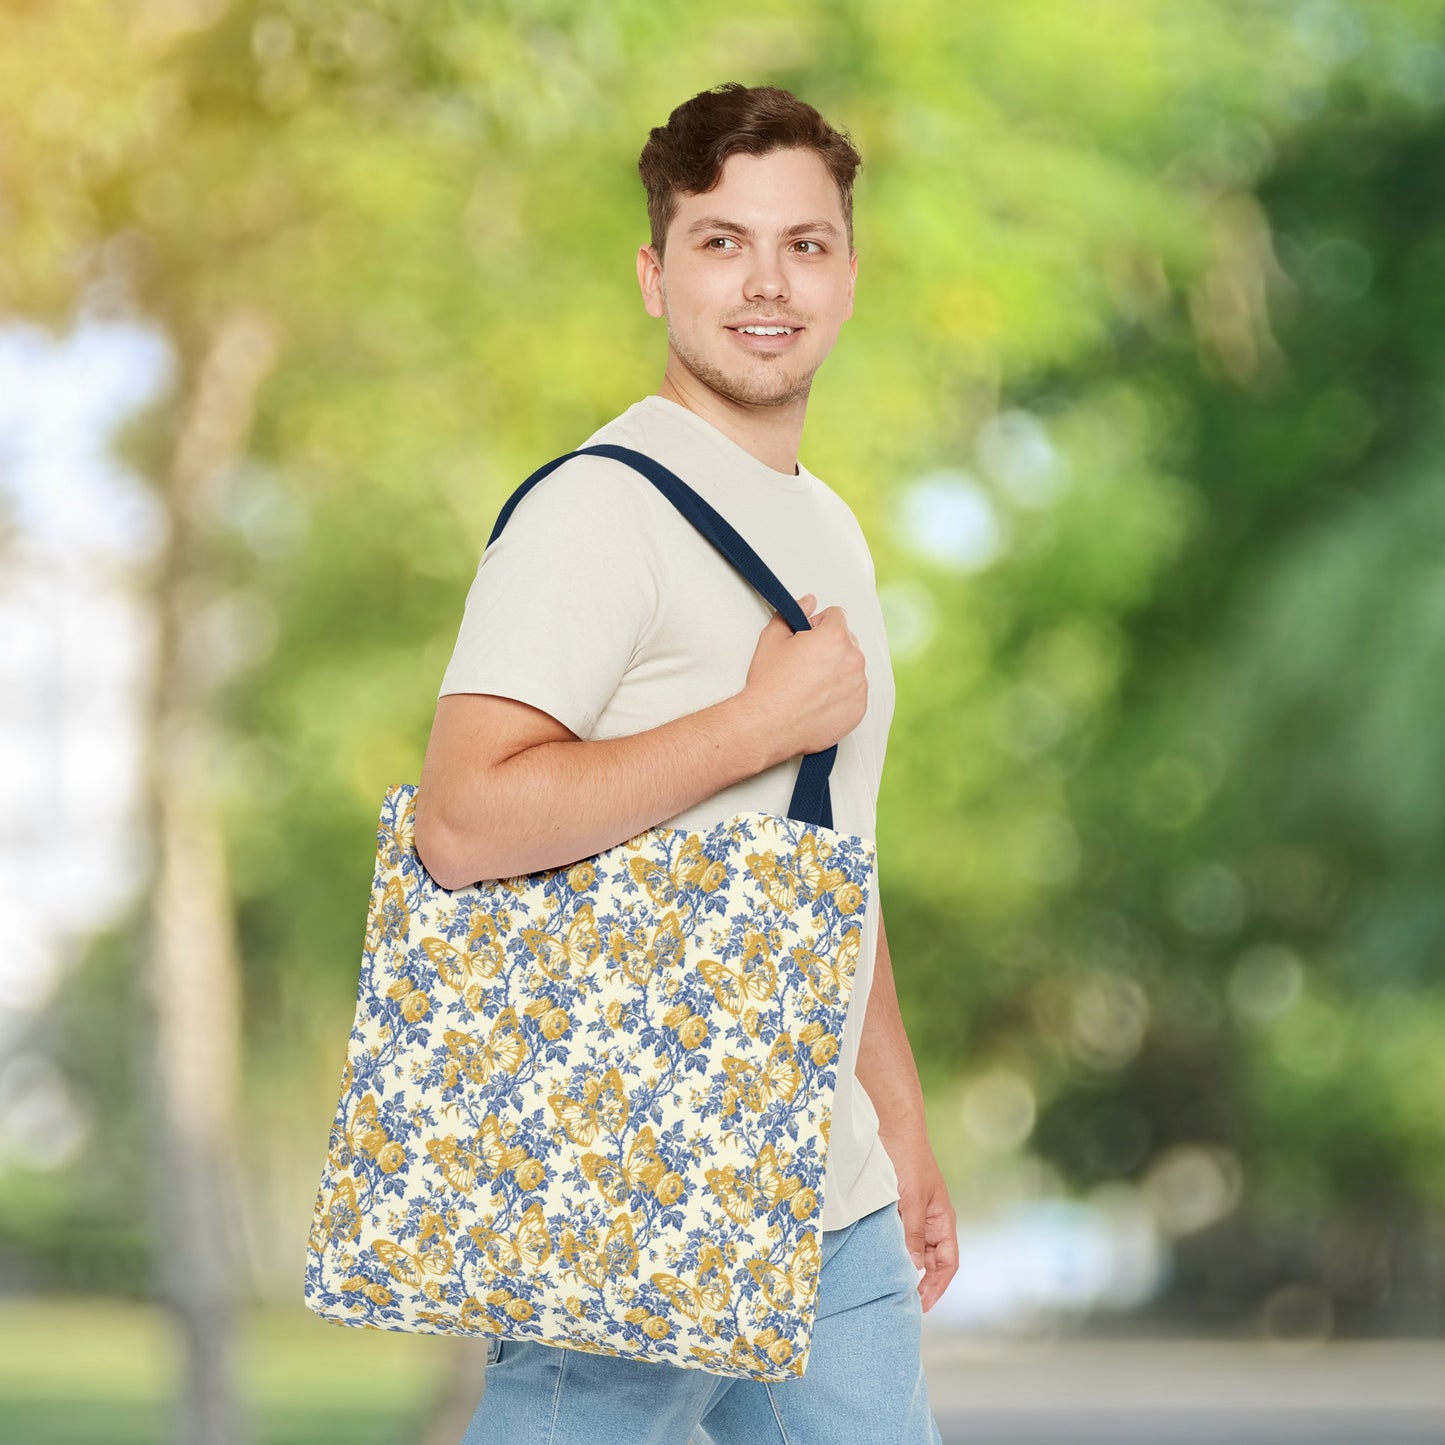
pixel 826 980
pixel 664 883
pixel 801 875
pixel 363 1135
pixel 812 873
pixel 744 1356
pixel 645 952
pixel 614 1257
pixel 772 1184
pixel 603 1106
pixel 576 948
pixel 388 917
pixel 342 1217
pixel 734 984
pixel 779 1078
pixel 738 1196
pixel 394 841
pixel 479 960
pixel 775 878
pixel 643 1169
pixel 463 1162
pixel 530 1246
pixel 787 1288
pixel 710 1293
pixel 504 1050
pixel 433 1255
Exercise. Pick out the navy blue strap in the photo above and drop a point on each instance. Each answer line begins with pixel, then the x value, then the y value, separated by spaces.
pixel 811 802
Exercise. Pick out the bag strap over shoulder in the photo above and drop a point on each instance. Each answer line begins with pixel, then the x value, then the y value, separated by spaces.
pixel 811 802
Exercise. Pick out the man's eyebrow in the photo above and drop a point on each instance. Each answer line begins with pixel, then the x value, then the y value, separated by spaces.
pixel 736 228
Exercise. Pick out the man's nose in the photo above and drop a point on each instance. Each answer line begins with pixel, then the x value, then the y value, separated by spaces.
pixel 766 279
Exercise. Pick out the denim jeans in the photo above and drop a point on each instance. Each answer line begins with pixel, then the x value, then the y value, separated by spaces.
pixel 863 1384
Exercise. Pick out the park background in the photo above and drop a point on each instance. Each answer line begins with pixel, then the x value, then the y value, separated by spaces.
pixel 1143 412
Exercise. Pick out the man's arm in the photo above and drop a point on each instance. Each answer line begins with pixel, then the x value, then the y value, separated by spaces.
pixel 507 789
pixel 887 1071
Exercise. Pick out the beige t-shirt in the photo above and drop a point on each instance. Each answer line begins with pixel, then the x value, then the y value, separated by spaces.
pixel 600 604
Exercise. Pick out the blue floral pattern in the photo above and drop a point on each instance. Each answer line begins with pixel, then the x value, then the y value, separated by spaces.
pixel 590 1106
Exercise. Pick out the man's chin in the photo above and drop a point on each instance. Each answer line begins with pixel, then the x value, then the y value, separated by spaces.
pixel 770 390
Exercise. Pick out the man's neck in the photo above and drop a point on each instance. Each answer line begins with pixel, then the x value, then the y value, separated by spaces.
pixel 770 433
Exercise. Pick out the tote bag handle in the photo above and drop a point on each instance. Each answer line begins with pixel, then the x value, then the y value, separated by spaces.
pixel 811 802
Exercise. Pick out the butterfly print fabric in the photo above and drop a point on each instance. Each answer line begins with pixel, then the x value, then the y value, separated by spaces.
pixel 590 1106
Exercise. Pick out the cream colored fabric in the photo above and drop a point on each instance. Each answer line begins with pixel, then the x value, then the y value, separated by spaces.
pixel 602 606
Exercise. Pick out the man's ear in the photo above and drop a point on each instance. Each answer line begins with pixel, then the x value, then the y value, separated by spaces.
pixel 649 280
pixel 852 281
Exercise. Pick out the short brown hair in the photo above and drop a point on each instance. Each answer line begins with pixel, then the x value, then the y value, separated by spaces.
pixel 686 156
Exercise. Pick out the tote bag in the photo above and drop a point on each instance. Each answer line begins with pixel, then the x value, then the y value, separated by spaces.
pixel 589 1106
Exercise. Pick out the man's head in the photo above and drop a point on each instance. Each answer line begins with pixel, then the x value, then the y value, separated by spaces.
pixel 687 155
pixel 752 261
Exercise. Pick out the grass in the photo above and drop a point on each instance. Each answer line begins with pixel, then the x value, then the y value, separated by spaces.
pixel 80 1372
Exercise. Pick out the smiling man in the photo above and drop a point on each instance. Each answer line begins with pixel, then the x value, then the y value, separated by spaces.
pixel 613 672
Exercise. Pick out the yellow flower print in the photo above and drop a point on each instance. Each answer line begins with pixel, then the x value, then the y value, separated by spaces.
pixel 848 898
pixel 555 1023
pixel 655 1327
pixel 415 1006
pixel 378 1294
pixel 803 1204
pixel 519 1309
pixel 824 1050
pixel 669 1188
pixel 809 1033
pixel 780 1351
pixel 693 1031
pixel 391 1157
pixel 636 1314
pixel 675 1017
pixel 581 876
pixel 530 1174
pixel 615 1013
pixel 713 877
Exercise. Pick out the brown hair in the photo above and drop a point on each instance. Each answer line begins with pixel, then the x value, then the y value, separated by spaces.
pixel 688 153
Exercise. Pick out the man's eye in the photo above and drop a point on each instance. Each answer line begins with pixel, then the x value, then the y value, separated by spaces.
pixel 717 243
pixel 816 245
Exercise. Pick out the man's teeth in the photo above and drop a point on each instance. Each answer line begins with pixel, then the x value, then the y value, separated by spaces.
pixel 766 330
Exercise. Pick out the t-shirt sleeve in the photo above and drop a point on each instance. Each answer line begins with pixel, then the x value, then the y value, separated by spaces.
pixel 564 596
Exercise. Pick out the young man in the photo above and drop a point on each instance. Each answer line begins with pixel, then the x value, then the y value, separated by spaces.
pixel 614 672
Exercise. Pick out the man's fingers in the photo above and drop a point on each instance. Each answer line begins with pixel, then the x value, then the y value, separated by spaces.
pixel 936 1281
pixel 942 1257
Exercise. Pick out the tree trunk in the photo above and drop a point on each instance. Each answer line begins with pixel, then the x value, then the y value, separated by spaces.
pixel 193 973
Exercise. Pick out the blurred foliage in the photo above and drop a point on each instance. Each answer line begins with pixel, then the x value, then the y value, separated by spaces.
pixel 1155 281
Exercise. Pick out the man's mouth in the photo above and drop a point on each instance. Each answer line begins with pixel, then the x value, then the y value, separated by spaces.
pixel 766 330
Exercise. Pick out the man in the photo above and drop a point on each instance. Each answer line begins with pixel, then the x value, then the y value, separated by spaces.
pixel 610 676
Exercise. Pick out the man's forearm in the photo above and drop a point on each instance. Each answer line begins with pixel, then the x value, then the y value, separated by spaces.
pixel 556 802
pixel 885 1065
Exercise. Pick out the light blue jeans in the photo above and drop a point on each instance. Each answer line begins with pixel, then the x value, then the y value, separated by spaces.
pixel 863 1384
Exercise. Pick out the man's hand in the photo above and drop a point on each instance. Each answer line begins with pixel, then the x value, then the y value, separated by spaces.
pixel 929 1223
pixel 809 689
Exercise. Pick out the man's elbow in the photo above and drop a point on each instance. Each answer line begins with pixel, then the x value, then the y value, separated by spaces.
pixel 443 852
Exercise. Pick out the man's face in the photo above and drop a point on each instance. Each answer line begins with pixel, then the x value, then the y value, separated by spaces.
pixel 766 247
